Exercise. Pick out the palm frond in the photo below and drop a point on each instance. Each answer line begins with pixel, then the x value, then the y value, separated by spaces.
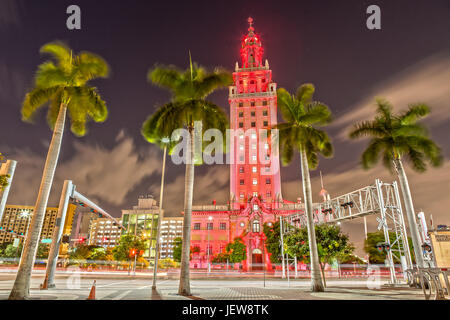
pixel 60 52
pixel 94 104
pixel 410 130
pixel 384 108
pixel 166 77
pixel 429 148
pixel 285 103
pixel 414 113
pixel 213 81
pixel 53 110
pixel 36 99
pixel 366 128
pixel 48 75
pixel 90 66
pixel 316 113
pixel 305 93
pixel 370 156
pixel 417 160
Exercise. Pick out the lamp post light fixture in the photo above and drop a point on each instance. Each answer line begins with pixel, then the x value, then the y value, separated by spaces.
pixel 210 218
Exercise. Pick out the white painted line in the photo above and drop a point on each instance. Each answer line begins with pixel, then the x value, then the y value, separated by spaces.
pixel 120 296
pixel 111 284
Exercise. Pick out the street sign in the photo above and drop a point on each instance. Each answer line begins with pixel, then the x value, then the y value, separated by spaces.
pixel 16 242
pixel 46 241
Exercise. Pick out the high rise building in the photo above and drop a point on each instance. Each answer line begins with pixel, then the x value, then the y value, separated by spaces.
pixel 142 220
pixel 16 219
pixel 104 232
pixel 255 183
pixel 171 228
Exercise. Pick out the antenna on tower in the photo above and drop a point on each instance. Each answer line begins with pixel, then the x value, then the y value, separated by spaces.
pixel 321 179
pixel 323 193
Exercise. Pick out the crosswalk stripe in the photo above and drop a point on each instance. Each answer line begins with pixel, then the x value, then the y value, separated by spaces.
pixel 120 296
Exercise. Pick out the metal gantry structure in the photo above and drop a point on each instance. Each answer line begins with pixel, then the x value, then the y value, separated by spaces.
pixel 68 194
pixel 381 199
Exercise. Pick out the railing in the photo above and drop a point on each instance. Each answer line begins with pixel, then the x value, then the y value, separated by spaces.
pixel 211 208
pixel 253 94
pixel 433 281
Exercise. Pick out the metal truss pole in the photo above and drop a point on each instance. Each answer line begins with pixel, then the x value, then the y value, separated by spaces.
pixel 383 223
pixel 404 234
pixel 67 192
pixel 282 249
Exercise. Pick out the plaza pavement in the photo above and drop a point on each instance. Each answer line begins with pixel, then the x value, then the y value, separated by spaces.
pixel 115 287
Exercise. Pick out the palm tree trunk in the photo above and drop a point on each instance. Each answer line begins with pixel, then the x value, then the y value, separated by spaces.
pixel 316 281
pixel 322 267
pixel 161 216
pixel 185 288
pixel 410 214
pixel 21 288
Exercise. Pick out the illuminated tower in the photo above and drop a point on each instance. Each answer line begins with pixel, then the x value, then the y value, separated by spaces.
pixel 254 170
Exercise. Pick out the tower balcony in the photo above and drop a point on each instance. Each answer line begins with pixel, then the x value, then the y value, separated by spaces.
pixel 253 94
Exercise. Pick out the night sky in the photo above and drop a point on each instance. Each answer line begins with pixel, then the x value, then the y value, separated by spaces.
pixel 323 42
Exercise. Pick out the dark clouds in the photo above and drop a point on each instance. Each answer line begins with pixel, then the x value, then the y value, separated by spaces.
pixel 106 175
pixel 324 42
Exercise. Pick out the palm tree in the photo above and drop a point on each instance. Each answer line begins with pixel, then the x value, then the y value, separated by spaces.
pixel 189 91
pixel 302 115
pixel 395 137
pixel 61 84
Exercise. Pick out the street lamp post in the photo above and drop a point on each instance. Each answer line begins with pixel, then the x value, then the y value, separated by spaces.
pixel 25 214
pixel 209 263
pixel 134 268
pixel 161 215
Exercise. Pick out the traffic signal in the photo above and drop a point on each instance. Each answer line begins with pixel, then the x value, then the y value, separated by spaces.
pixel 383 246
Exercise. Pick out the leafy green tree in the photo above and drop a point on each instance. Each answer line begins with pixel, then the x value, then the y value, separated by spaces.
pixel 236 250
pixel 331 243
pixel 128 242
pixel 302 116
pixel 167 263
pixel 221 257
pixel 4 177
pixel 378 257
pixel 189 90
pixel 273 241
pixel 98 253
pixel 398 137
pixel 80 252
pixel 62 84
pixel 12 252
pixel 43 250
pixel 177 245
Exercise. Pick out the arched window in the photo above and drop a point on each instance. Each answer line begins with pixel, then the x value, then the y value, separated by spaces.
pixel 255 226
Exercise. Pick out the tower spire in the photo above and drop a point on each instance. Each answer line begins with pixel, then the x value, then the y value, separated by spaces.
pixel 250 22
pixel 251 49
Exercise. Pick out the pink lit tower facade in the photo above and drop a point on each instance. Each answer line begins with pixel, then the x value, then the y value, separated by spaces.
pixel 255 187
pixel 253 104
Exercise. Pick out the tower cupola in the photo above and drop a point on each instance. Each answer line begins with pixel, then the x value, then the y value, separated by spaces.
pixel 251 49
